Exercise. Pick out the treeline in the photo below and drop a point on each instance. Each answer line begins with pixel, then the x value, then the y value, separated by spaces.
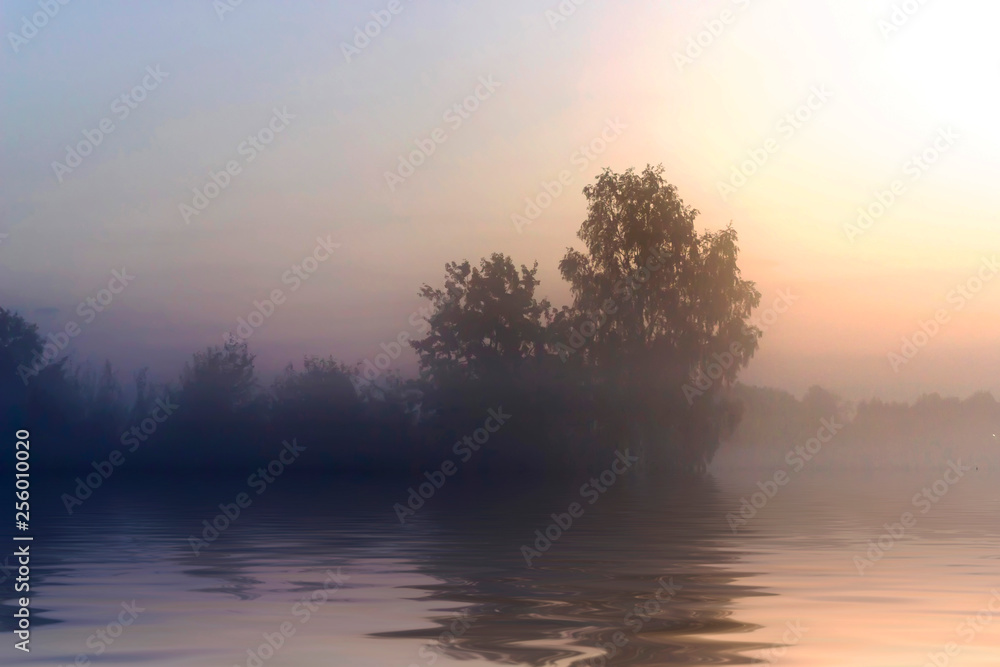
pixel 655 303
pixel 925 433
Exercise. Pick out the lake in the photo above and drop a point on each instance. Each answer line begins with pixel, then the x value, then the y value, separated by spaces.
pixel 833 568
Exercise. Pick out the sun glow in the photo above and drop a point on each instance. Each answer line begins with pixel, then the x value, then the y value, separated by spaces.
pixel 948 60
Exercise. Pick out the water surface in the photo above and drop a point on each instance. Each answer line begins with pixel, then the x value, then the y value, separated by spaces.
pixel 653 565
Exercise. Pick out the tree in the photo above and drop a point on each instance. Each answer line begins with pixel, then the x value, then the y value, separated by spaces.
pixel 485 323
pixel 22 351
pixel 663 293
pixel 101 403
pixel 323 389
pixel 220 378
pixel 221 419
pixel 19 339
pixel 40 392
pixel 19 343
pixel 656 304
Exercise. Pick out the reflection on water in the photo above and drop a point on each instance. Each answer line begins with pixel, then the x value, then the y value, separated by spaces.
pixel 322 573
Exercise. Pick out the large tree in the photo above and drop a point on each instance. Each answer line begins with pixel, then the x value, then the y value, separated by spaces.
pixel 656 303
pixel 660 292
pixel 658 308
pixel 20 343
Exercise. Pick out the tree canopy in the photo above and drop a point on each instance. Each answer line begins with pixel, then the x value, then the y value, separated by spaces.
pixel 486 321
pixel 655 303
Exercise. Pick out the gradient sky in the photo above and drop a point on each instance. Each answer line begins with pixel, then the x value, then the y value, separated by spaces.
pixel 891 93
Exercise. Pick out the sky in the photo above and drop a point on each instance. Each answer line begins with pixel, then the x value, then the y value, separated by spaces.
pixel 213 152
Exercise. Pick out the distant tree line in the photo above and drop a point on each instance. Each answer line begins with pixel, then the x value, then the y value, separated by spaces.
pixel 654 303
pixel 925 433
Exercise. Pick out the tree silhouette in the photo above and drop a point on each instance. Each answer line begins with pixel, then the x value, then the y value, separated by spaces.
pixel 486 321
pixel 677 297
pixel 655 302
